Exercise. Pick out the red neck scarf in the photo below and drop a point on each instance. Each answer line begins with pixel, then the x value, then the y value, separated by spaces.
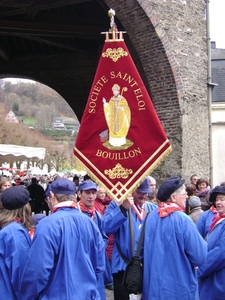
pixel 83 208
pixel 216 220
pixel 99 206
pixel 213 209
pixel 166 208
pixel 139 210
pixel 70 204
pixel 31 233
pixel 18 220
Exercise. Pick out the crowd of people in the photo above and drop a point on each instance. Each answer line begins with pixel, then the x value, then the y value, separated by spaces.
pixel 64 238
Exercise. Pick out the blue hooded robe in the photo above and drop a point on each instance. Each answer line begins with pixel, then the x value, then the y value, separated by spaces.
pixel 212 273
pixel 173 248
pixel 14 245
pixel 204 222
pixel 66 258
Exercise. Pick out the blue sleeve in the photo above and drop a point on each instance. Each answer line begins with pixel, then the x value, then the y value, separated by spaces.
pixel 98 222
pixel 113 218
pixel 215 259
pixel 195 245
pixel 17 244
pixel 41 258
pixel 201 225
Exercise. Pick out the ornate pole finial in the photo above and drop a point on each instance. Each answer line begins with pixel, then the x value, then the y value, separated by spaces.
pixel 111 14
pixel 113 31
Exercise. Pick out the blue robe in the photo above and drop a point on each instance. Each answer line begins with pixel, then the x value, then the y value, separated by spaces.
pixel 212 273
pixel 204 222
pixel 98 221
pixel 14 245
pixel 172 249
pixel 66 258
pixel 115 222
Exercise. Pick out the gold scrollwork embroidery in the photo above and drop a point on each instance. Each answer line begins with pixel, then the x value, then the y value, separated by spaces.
pixel 115 54
pixel 118 172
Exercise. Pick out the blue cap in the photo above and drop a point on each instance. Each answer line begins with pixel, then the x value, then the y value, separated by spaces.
pixel 144 188
pixel 87 185
pixel 15 197
pixel 169 186
pixel 37 217
pixel 214 192
pixel 47 191
pixel 63 186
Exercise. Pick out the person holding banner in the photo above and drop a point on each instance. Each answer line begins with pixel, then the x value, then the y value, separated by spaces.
pixel 116 221
pixel 172 248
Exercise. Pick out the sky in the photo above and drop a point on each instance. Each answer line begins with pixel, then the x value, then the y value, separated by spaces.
pixel 217 22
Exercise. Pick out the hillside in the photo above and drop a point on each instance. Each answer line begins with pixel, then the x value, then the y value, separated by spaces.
pixel 37 106
pixel 35 103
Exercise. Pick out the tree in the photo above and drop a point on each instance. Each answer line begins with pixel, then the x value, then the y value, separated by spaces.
pixel 15 107
pixel 44 117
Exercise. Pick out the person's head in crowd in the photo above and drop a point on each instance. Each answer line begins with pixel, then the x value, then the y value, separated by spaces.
pixel 61 189
pixel 194 178
pixel 43 178
pixel 190 189
pixel 152 183
pixel 202 184
pixel 173 190
pixel 101 194
pixel 15 206
pixel 17 180
pixel 36 218
pixel 141 193
pixel 5 183
pixel 87 177
pixel 194 201
pixel 34 180
pixel 87 192
pixel 76 180
pixel 217 197
pixel 152 197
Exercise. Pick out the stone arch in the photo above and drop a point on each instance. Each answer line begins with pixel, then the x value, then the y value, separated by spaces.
pixel 167 42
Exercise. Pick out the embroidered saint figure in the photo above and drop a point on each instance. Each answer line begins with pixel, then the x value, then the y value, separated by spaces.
pixel 118 116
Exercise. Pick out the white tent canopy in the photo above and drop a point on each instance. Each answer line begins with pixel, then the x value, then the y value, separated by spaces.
pixel 36 171
pixel 22 152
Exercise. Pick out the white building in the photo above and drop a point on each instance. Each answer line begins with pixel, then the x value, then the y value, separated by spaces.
pixel 11 118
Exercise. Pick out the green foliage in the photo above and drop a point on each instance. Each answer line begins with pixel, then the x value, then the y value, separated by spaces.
pixel 15 107
pixel 29 122
pixel 55 133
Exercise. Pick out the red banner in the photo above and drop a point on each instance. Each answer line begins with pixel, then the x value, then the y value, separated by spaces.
pixel 121 139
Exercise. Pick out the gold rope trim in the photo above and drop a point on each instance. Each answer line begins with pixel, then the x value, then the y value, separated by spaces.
pixel 132 177
pixel 134 186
